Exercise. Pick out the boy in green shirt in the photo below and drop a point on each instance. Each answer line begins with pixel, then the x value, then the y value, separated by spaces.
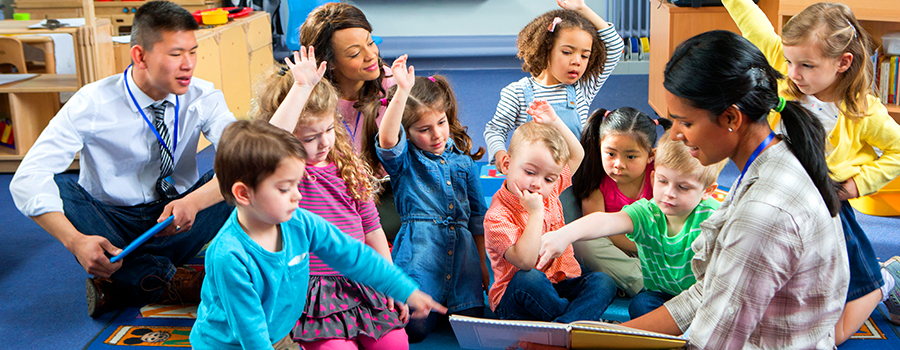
pixel 662 229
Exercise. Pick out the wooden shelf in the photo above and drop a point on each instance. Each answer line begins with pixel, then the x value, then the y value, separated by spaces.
pixel 43 83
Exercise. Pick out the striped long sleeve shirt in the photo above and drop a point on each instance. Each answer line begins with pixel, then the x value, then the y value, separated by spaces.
pixel 511 108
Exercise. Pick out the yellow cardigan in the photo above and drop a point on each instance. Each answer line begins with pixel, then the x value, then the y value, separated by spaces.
pixel 854 155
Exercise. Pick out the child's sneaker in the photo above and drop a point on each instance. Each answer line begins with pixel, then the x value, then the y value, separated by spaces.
pixel 893 298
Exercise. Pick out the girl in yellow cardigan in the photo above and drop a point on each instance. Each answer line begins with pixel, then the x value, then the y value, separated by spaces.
pixel 825 53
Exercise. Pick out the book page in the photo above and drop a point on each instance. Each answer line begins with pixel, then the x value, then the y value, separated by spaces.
pixel 482 333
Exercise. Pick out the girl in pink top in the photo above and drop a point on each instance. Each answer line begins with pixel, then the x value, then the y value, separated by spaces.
pixel 340 313
pixel 618 160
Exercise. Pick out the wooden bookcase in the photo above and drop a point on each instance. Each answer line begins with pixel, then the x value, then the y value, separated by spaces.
pixel 670 25
pixel 876 16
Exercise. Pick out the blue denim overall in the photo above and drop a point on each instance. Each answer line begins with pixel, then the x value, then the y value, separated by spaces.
pixel 565 110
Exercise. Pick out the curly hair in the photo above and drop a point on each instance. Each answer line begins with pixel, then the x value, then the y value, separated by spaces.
pixel 436 95
pixel 834 29
pixel 317 31
pixel 322 103
pixel 535 41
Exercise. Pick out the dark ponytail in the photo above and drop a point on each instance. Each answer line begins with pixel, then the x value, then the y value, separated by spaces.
pixel 622 121
pixel 719 69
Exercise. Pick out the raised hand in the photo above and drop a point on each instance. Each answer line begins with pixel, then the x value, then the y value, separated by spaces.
pixel 405 77
pixel 542 113
pixel 304 68
pixel 573 5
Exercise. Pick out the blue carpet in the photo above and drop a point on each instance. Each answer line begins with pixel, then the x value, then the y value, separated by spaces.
pixel 43 286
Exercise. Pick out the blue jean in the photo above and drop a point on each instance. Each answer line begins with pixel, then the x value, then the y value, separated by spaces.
pixel 865 272
pixel 531 296
pixel 157 257
pixel 646 301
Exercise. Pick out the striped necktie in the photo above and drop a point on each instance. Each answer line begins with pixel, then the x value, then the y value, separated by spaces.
pixel 164 185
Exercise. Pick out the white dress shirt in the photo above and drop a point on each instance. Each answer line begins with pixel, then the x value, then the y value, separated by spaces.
pixel 120 156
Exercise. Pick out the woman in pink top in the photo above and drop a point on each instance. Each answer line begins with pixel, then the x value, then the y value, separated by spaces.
pixel 342 36
pixel 618 160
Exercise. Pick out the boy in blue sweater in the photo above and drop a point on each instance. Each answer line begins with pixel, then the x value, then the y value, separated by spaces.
pixel 259 262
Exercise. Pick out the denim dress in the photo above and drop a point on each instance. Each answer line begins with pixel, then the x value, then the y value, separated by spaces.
pixel 441 207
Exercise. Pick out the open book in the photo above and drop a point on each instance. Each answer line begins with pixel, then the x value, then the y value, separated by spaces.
pixel 482 333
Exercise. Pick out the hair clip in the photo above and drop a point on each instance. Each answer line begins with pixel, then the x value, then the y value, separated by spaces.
pixel 384 102
pixel 780 106
pixel 431 78
pixel 283 70
pixel 607 113
pixel 556 20
pixel 655 121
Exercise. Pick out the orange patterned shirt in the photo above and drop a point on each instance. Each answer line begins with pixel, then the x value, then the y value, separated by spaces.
pixel 503 224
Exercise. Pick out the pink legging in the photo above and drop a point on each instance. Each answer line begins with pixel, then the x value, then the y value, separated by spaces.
pixel 395 339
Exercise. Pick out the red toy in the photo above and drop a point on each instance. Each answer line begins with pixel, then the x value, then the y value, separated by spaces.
pixel 233 12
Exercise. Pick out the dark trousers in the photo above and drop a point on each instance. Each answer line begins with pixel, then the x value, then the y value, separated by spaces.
pixel 148 268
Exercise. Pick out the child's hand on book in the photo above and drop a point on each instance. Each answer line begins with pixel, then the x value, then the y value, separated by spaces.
pixel 422 305
pixel 304 68
pixel 542 113
pixel 405 77
pixel 552 246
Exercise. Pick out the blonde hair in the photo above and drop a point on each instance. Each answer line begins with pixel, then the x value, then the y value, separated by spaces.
pixel 676 156
pixel 536 41
pixel 436 94
pixel 834 30
pixel 270 92
pixel 548 136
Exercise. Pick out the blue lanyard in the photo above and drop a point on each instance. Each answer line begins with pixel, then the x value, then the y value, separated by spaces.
pixel 152 127
pixel 755 154
pixel 353 132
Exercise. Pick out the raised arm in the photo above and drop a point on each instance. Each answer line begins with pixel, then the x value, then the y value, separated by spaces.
pixel 389 131
pixel 542 113
pixel 595 225
pixel 306 76
pixel 585 11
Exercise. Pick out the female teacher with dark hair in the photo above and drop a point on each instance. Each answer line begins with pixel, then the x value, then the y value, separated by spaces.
pixel 771 262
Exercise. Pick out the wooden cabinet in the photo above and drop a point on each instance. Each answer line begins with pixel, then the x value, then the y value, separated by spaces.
pixel 30 104
pixel 120 13
pixel 876 16
pixel 670 25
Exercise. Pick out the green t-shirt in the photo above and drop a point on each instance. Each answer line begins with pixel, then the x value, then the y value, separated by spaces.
pixel 666 261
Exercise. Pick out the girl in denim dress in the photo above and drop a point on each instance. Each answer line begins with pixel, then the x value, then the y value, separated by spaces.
pixel 438 195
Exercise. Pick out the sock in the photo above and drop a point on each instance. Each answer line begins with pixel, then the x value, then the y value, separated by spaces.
pixel 888 283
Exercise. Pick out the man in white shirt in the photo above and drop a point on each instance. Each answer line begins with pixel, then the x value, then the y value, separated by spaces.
pixel 137 135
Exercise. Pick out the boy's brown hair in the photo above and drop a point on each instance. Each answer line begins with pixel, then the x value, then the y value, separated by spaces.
pixel 535 41
pixel 250 151
pixel 546 135
pixel 675 155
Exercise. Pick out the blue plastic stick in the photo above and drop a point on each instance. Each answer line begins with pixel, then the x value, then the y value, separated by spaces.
pixel 143 238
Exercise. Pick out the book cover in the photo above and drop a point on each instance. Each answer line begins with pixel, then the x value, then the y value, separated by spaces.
pixel 481 333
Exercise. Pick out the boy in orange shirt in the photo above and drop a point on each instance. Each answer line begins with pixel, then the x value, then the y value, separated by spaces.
pixel 542 157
